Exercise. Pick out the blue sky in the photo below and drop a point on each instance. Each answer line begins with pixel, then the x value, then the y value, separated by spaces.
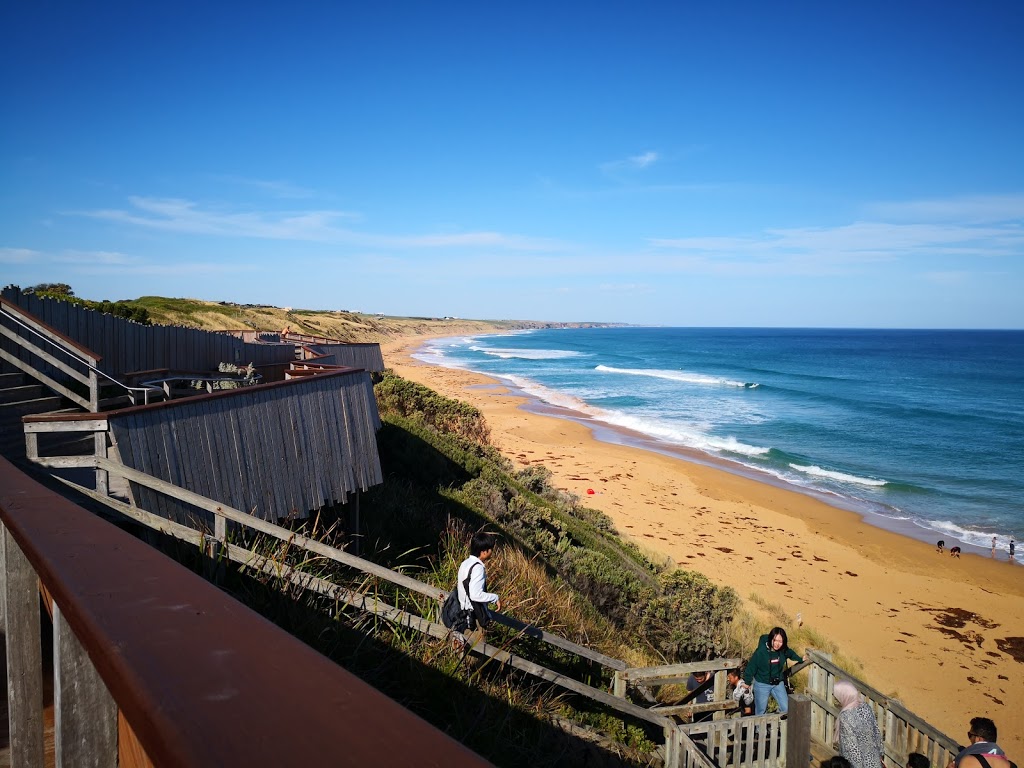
pixel 723 164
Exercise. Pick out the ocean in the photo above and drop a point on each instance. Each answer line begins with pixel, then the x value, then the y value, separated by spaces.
pixel 921 432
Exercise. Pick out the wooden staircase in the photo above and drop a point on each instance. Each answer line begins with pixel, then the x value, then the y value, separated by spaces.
pixel 19 396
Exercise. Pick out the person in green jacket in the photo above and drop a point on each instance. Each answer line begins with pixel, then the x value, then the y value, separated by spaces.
pixel 766 670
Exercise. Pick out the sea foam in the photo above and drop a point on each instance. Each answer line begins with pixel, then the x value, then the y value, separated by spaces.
pixel 681 376
pixel 841 477
pixel 527 354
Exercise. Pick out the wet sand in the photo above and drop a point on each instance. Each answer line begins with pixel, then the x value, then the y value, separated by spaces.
pixel 943 635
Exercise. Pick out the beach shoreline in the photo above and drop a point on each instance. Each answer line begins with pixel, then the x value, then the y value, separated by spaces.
pixel 943 635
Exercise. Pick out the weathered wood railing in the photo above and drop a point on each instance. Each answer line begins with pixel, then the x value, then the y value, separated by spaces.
pixel 42 351
pixel 47 348
pixel 216 543
pixel 155 666
pixel 903 732
pixel 763 740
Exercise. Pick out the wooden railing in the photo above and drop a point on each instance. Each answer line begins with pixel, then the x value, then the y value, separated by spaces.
pixel 216 543
pixel 48 349
pixel 903 732
pixel 44 353
pixel 155 666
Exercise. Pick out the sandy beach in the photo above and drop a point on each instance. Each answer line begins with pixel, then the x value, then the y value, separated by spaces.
pixel 943 635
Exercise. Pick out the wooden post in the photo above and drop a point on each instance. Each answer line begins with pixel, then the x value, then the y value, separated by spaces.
pixel 798 732
pixel 673 758
pixel 84 713
pixel 3 584
pixel 24 657
pixel 356 538
pixel 618 684
pixel 721 684
pixel 100 449
pixel 94 391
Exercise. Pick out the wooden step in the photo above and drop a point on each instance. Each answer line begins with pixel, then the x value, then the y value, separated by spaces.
pixel 15 410
pixel 11 380
pixel 17 394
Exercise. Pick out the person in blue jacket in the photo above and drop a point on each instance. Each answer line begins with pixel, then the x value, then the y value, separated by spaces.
pixel 766 670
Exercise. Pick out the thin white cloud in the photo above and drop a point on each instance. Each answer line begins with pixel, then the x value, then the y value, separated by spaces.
pixel 113 263
pixel 644 160
pixel 275 188
pixel 981 228
pixel 632 163
pixel 979 209
pixel 175 269
pixel 18 256
pixel 947 278
pixel 188 217
pixel 95 258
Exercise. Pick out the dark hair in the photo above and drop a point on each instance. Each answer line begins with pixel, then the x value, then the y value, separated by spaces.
pixel 775 632
pixel 983 728
pixel 481 543
pixel 837 761
pixel 735 672
pixel 917 760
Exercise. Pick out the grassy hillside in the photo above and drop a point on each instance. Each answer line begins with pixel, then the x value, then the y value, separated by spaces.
pixel 335 324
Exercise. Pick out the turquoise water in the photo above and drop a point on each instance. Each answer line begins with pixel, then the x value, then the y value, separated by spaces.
pixel 921 430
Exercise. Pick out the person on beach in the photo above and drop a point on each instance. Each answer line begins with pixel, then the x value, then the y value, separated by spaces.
pixel 1012 547
pixel 917 760
pixel 993 546
pixel 859 737
pixel 954 552
pixel 766 670
pixel 472 586
pixel 940 545
pixel 982 752
pixel 741 693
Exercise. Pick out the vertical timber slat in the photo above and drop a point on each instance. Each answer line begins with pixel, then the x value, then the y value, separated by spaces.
pixel 85 715
pixel 24 657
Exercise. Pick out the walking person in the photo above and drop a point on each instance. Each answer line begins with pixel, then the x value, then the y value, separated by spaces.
pixel 766 670
pixel 472 587
pixel 860 739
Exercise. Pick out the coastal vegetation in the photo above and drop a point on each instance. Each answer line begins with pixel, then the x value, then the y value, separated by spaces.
pixel 129 310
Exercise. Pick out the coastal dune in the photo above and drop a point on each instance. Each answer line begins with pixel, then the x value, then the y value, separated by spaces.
pixel 945 636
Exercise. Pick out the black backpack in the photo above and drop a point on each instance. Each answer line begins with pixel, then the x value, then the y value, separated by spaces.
pixel 456 618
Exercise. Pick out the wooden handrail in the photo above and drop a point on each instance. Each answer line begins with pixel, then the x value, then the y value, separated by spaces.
pixel 191 669
pixel 184 402
pixel 337 555
pixel 52 333
pixel 890 705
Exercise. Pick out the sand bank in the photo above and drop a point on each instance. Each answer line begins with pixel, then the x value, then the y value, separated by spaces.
pixel 944 635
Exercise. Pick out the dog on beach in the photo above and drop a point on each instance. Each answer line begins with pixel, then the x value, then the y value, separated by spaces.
pixel 954 551
pixel 940 545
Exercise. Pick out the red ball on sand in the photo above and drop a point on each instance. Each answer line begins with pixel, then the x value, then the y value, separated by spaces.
pixel 590 491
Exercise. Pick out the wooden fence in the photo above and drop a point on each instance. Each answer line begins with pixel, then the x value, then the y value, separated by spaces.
pixel 153 665
pixel 903 732
pixel 275 450
pixel 124 346
pixel 365 356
